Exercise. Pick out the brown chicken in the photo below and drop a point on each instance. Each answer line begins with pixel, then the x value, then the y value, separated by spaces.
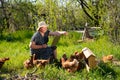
pixel 71 65
pixel 107 58
pixel 2 61
pixel 40 62
pixel 28 63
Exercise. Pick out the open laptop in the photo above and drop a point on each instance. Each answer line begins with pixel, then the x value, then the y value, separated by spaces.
pixel 55 40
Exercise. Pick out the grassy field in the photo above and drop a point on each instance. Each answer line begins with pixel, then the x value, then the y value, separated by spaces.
pixel 15 46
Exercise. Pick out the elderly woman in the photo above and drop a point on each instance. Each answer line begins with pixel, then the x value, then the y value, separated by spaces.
pixel 38 44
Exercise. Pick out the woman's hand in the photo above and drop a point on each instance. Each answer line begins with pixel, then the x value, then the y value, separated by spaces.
pixel 58 33
pixel 63 32
pixel 44 46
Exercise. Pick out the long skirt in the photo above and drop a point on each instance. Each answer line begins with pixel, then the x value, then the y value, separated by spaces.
pixel 44 53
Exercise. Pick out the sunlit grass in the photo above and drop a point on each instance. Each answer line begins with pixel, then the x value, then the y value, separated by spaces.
pixel 16 47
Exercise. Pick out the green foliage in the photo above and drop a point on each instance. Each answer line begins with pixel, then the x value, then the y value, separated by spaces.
pixel 107 11
pixel 61 15
pixel 16 36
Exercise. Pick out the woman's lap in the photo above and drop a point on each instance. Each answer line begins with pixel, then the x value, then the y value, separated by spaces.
pixel 45 53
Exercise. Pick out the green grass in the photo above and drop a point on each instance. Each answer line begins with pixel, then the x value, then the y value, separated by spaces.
pixel 15 46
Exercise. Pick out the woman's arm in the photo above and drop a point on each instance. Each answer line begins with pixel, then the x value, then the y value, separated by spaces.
pixel 57 33
pixel 34 46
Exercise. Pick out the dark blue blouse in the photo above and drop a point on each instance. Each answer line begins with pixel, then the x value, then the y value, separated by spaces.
pixel 43 53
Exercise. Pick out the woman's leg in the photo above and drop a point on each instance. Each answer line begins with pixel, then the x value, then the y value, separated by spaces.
pixel 54 50
pixel 55 54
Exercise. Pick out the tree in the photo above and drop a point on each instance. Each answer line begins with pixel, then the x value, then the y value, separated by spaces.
pixel 17 14
pixel 104 13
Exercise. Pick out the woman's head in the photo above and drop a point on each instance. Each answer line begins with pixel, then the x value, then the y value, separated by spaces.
pixel 42 26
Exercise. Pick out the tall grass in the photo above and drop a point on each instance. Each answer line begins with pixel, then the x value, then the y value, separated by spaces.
pixel 15 46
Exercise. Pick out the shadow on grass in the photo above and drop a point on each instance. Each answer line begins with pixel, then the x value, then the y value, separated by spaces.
pixel 6 73
pixel 16 36
pixel 106 71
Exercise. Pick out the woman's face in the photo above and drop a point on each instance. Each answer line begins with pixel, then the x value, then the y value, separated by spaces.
pixel 43 29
